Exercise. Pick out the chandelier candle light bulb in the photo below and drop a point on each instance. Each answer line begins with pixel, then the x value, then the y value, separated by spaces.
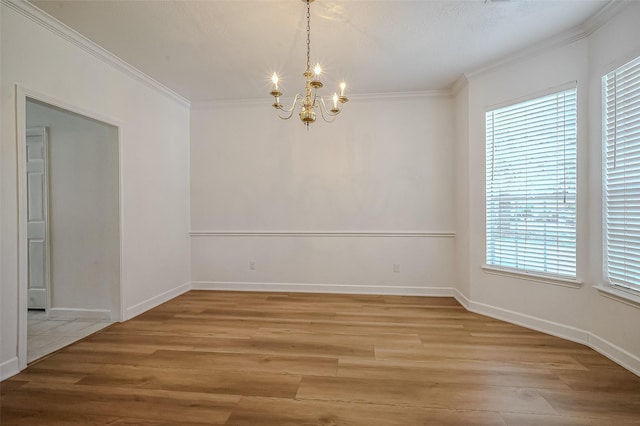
pixel 335 103
pixel 275 92
pixel 310 101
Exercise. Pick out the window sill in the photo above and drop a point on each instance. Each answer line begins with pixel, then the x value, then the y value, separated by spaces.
pixel 541 278
pixel 622 296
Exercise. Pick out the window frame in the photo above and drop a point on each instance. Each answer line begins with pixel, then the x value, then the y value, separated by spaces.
pixel 572 281
pixel 630 296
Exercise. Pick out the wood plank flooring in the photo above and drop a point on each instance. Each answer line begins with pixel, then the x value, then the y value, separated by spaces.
pixel 286 359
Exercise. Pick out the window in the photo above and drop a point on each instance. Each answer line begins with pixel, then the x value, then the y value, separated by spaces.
pixel 621 143
pixel 531 186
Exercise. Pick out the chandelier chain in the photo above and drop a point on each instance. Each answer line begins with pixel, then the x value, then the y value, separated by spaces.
pixel 308 36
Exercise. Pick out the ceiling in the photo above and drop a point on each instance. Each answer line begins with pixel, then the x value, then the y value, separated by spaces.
pixel 220 50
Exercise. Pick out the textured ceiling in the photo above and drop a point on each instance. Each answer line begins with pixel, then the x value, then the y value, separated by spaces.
pixel 216 50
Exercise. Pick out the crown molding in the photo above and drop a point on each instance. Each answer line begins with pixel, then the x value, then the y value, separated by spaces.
pixel 399 96
pixel 604 15
pixel 572 35
pixel 562 39
pixel 230 103
pixel 368 97
pixel 60 29
pixel 63 31
pixel 458 85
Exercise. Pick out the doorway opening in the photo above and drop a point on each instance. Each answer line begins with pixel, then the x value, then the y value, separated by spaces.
pixel 71 216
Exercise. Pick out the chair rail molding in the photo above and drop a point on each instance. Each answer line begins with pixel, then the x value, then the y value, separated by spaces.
pixel 419 234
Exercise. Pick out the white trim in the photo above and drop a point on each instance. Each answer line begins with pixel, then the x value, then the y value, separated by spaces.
pixel 545 326
pixel 611 66
pixel 603 16
pixel 154 301
pixel 614 221
pixel 627 360
pixel 26 92
pixel 574 34
pixel 618 355
pixel 400 96
pixel 573 84
pixel 21 191
pixel 21 95
pixel 267 100
pixel 531 276
pixel 6 368
pixel 461 298
pixel 9 368
pixel 618 295
pixel 574 334
pixel 563 39
pixel 323 288
pixel 615 353
pixel 321 234
pixel 47 21
pixel 57 27
pixel 74 313
pixel 460 83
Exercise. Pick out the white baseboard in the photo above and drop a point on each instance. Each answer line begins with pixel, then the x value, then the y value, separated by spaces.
pixel 608 349
pixel 461 298
pixel 9 368
pixel 324 288
pixel 73 313
pixel 611 351
pixel 550 327
pixel 154 301
pixel 615 353
pixel 627 360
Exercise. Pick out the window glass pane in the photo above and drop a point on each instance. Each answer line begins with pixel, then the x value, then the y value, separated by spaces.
pixel 531 185
pixel 621 167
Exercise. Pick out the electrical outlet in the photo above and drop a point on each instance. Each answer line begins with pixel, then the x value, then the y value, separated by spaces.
pixel 252 266
pixel 396 267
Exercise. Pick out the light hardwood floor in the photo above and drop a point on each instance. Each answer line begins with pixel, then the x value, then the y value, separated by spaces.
pixel 316 359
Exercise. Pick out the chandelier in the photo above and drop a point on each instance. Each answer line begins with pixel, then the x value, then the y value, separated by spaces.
pixel 310 101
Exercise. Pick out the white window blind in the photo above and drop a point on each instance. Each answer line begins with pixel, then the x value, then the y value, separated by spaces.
pixel 621 134
pixel 531 186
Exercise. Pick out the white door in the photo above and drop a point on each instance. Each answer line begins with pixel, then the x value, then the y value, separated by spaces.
pixel 37 202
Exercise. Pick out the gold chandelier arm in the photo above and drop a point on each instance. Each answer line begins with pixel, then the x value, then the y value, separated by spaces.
pixel 289 110
pixel 286 117
pixel 324 112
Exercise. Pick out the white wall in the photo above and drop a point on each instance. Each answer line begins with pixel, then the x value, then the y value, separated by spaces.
pixel 331 209
pixel 154 140
pixel 5 366
pixel 383 168
pixel 512 82
pixel 461 190
pixel 611 46
pixel 581 314
pixel 83 208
